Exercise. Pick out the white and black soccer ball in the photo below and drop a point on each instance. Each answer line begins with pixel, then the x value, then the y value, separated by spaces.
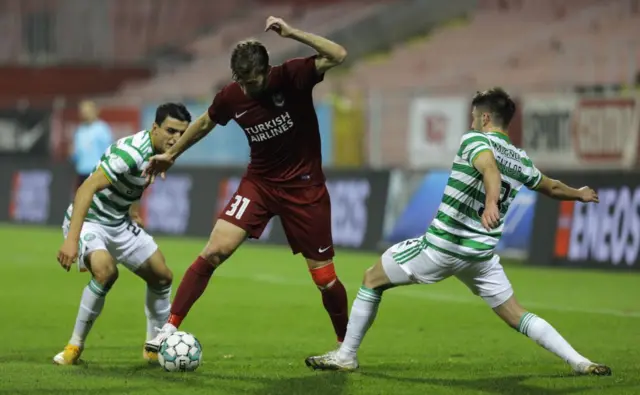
pixel 180 352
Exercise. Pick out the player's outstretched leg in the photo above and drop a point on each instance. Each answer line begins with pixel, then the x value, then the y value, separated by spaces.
pixel 104 275
pixel 334 295
pixel 546 336
pixel 224 240
pixel 363 313
pixel 158 277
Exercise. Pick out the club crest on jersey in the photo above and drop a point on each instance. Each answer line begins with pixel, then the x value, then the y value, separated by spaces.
pixel 278 99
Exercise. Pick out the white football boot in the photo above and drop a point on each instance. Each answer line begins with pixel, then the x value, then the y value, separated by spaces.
pixel 154 344
pixel 332 361
pixel 593 369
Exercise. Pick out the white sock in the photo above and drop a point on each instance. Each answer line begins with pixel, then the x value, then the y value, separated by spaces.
pixel 545 335
pixel 91 305
pixel 363 313
pixel 157 308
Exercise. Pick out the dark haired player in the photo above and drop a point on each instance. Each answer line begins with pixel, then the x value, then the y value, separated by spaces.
pixel 487 173
pixel 274 107
pixel 101 228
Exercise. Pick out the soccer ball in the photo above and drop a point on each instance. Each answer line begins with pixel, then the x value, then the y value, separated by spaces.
pixel 180 352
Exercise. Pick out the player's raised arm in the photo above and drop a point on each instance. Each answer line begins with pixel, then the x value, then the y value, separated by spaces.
pixel 159 164
pixel 558 190
pixel 486 164
pixel 330 54
pixel 96 182
pixel 194 133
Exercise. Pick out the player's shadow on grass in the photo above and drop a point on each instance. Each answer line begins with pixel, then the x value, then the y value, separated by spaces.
pixel 507 385
pixel 161 379
pixel 305 383
pixel 309 384
pixel 45 356
pixel 68 391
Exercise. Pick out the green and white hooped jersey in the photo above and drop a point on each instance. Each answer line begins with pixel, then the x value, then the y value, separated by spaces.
pixel 457 228
pixel 122 163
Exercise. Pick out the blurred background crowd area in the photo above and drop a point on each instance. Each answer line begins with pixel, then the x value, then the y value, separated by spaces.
pixel 400 101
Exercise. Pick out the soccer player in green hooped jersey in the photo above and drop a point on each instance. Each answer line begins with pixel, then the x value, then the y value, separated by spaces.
pixel 101 228
pixel 487 173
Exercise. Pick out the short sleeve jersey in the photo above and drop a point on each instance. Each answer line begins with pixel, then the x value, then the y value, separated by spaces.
pixel 281 126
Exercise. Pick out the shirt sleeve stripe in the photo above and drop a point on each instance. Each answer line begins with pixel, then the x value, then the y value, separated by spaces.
pixel 106 172
pixel 535 181
pixel 477 152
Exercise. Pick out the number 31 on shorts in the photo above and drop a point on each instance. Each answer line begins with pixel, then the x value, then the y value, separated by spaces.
pixel 238 207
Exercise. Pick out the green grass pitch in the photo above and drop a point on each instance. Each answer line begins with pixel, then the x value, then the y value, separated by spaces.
pixel 261 315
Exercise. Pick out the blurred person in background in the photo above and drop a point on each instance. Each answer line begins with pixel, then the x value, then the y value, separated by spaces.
pixel 90 140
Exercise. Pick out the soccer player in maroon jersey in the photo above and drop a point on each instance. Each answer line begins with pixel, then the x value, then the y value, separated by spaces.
pixel 274 106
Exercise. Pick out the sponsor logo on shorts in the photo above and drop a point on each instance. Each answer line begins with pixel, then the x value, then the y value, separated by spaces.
pixel 322 250
pixel 89 237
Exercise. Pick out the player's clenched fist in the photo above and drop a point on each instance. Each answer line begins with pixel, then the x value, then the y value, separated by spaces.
pixel 588 195
pixel 279 26
pixel 68 254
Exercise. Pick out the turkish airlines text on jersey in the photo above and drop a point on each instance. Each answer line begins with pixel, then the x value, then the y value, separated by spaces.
pixel 607 233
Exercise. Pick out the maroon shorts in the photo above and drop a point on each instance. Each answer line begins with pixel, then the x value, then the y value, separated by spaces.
pixel 305 213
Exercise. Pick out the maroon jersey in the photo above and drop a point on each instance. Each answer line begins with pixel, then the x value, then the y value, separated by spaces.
pixel 281 126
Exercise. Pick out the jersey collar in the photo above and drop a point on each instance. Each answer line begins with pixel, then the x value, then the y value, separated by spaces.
pixel 500 135
pixel 153 147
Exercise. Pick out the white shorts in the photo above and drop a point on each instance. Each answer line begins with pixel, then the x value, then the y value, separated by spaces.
pixel 424 265
pixel 127 243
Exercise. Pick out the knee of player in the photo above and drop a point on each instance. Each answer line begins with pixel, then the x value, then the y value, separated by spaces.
pixel 368 275
pixel 217 252
pixel 168 278
pixel 372 278
pixel 324 276
pixel 164 279
pixel 106 276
